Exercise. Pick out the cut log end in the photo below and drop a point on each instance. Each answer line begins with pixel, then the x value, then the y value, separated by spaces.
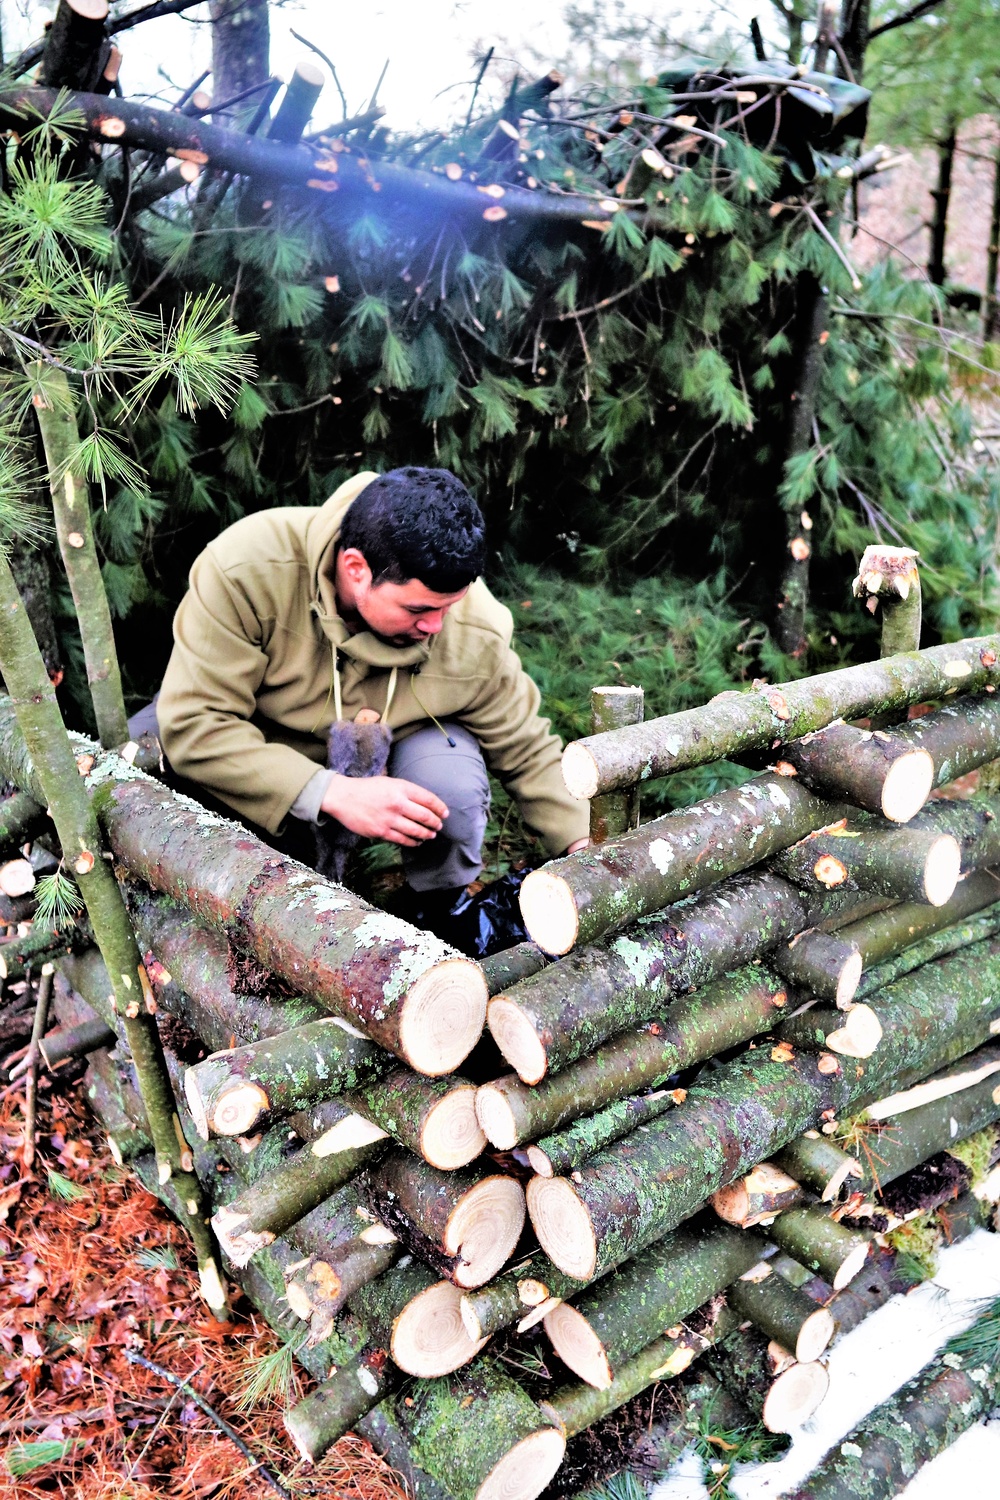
pixel 849 979
pixel 17 878
pixel 525 1471
pixel 239 1109
pixel 794 1396
pixel 549 912
pixel 310 73
pixel 452 1136
pixel 442 1017
pixel 483 1229
pixel 578 1346
pixel 496 1117
pixel 860 1034
pixel 89 10
pixel 470 1320
pixel 907 786
pixel 563 1226
pixel 539 1162
pixel 815 1335
pixel 850 1267
pixel 518 1040
pixel 430 1337
pixel 196 1105
pixel 238 1241
pixel 579 772
pixel 944 865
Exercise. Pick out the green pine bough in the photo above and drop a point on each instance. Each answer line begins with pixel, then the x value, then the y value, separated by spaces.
pixel 754 720
pixel 644 1186
pixel 65 795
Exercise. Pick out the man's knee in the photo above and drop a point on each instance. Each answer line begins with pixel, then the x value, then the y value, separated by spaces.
pixel 457 774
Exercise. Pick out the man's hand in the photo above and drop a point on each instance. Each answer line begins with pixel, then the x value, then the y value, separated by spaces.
pixel 385 807
pixel 577 845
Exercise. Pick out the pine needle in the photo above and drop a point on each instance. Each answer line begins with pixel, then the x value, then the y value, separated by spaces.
pixel 62 1187
pixel 25 1458
pixel 58 903
pixel 157 1258
pixel 267 1377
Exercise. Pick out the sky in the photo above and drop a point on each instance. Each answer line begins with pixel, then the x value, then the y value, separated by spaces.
pixel 429 44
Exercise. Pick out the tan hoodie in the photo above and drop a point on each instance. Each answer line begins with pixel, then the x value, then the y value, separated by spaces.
pixel 248 694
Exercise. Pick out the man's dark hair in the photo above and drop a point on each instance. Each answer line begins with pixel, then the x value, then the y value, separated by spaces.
pixel 418 523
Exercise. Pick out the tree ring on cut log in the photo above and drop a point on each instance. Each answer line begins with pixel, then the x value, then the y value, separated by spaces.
pixel 794 1396
pixel 849 979
pixel 578 1346
pixel 430 1337
pixel 579 772
pixel 496 1117
pixel 525 1471
pixel 442 1017
pixel 563 1226
pixel 860 1034
pixel 518 1041
pixel 814 1335
pixel 549 912
pixel 237 1110
pixel 944 865
pixel 483 1229
pixel 907 786
pixel 452 1136
pixel 850 1267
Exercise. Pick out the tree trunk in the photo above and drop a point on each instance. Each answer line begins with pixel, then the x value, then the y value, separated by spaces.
pixel 320 1419
pixel 300 99
pixel 322 1284
pixel 937 273
pixel 855 24
pixel 64 793
pixel 781 1393
pixel 783 1314
pixel 819 1165
pixel 815 1240
pixel 76 47
pixel 609 1324
pixel 959 737
pixel 581 897
pixel 419 1318
pixel 873 771
pixel 974 930
pixel 611 708
pixel 33 576
pixel 991 303
pixel 713 1019
pixel 793 600
pixel 642 1188
pixel 888 578
pixel 501 970
pixel 881 1455
pixel 766 717
pixel 373 970
pixel 19 954
pixel 241 45
pixel 887 934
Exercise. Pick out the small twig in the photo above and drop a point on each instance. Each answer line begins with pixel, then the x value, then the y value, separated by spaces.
pixel 475 88
pixel 171 1403
pixel 31 1082
pixel 183 1384
pixel 190 92
pixel 329 62
pixel 217 109
pixel 381 79
pixel 818 225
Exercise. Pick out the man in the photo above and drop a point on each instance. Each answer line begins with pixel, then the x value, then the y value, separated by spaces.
pixel 299 616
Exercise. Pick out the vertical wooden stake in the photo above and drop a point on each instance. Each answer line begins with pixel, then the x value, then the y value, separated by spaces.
pixel 613 813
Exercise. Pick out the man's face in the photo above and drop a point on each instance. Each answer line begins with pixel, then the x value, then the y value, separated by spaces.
pixel 399 613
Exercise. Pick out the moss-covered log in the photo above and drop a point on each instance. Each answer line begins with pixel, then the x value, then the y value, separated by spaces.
pixel 419 1319
pixel 320 1419
pixel 883 1453
pixel 516 1295
pixel 754 720
pixel 644 1186
pixel 509 967
pixel 974 929
pixel 612 708
pixel 854 1032
pixel 811 1237
pixel 783 1313
pixel 464 1223
pixel 818 1164
pixel 605 1326
pixel 757 1197
pixel 768 1380
pixel 960 736
pixel 244 1088
pixel 719 1016
pixel 873 770
pixel 907 864
pixel 115 1100
pixel 433 1117
pixel 571 1147
pixel 480 1435
pixel 321 1285
pixel 602 888
pixel 19 954
pixel 404 988
pixel 21 817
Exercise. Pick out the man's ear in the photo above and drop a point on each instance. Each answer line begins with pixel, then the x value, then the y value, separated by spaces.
pixel 353 563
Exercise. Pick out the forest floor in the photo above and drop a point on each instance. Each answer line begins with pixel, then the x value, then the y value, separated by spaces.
pixel 93 1269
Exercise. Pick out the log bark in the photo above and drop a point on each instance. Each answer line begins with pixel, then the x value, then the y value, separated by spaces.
pixel 793 598
pixel 881 1455
pixel 907 864
pixel 320 1419
pixel 464 1223
pixel 959 737
pixel 75 1041
pixel 300 99
pixel 19 954
pixel 435 1118
pixel 854 1032
pixel 816 1241
pixel 509 967
pixel 579 898
pixel 982 925
pixel 21 817
pixel 991 301
pixel 321 1285
pixel 732 725
pixel 814 1161
pixel 825 964
pixel 871 770
pixel 515 1295
pixel 561 1152
pixel 240 46
pixel 757 1197
pixel 245 1088
pixel 607 1325
pixel 612 708
pixel 104 1091
pixel 719 1016
pixel 568 1009
pixel 404 988
pixel 76 48
pixel 767 1379
pixel 888 577
pixel 641 1188
pixel 783 1314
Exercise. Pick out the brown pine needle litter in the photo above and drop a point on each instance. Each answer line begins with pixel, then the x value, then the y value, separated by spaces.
pixel 93 1269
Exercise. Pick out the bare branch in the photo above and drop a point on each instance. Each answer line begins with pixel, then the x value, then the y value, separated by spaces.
pixel 904 19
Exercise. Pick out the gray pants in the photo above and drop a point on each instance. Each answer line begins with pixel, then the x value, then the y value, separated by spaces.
pixel 455 774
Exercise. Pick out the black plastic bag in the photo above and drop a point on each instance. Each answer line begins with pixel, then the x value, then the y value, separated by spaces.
pixel 488 921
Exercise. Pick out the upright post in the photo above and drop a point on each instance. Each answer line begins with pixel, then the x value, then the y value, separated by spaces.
pixel 612 813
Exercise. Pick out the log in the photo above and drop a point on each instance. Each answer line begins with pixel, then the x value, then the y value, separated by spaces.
pixel 945 1085
pixel 907 864
pixel 811 1237
pixel 814 1161
pixel 433 1117
pixel 884 1452
pixel 719 1016
pixel 757 1197
pixel 643 1187
pixel 600 889
pixel 825 964
pixel 959 737
pixel 284 1195
pixel 516 1295
pixel 17 877
pixel 607 1325
pixel 75 1041
pixel 21 817
pixel 76 48
pixel 509 967
pixel 463 1223
pixel 300 98
pixel 242 1089
pixel 854 1032
pixel 734 724
pixel 319 1286
pixel 19 954
pixel 783 1314
pixel 320 1419
pixel 611 708
pixel 480 1435
pixel 568 1009
pixel 404 988
pixel 115 1099
pixel 974 929
pixel 873 770
pixel 16 909
pixel 577 1143
pixel 884 934
pixel 767 1379
pixel 418 1319
pixel 889 577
